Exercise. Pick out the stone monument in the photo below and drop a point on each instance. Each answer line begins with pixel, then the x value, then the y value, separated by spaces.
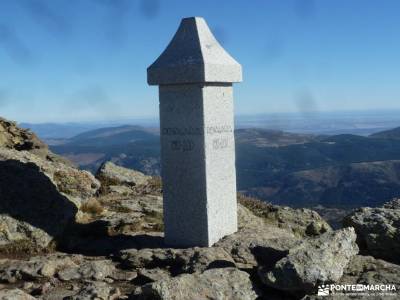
pixel 195 76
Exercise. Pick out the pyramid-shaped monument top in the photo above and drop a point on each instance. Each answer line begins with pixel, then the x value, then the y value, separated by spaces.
pixel 194 56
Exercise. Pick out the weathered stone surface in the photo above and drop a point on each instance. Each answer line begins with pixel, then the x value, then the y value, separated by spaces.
pixel 368 270
pixel 90 270
pixel 247 219
pixel 98 291
pixel 152 275
pixel 39 198
pixel 110 174
pixel 177 261
pixel 40 192
pixel 73 183
pixel 378 231
pixel 249 246
pixel 321 259
pixel 302 222
pixel 14 294
pixel 13 232
pixel 14 137
pixel 34 268
pixel 227 283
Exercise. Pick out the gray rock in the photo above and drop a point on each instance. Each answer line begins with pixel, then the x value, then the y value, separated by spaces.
pixel 152 275
pixel 302 222
pixel 96 291
pixel 110 174
pixel 14 137
pixel 34 268
pixel 316 260
pixel 249 246
pixel 93 270
pixel 15 294
pixel 120 189
pixel 378 231
pixel 214 284
pixel 39 198
pixel 367 270
pixel 189 260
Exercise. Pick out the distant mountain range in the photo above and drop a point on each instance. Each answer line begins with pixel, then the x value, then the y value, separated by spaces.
pixel 286 168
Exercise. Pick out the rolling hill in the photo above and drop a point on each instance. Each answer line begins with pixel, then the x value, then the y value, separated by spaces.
pixel 388 134
pixel 286 168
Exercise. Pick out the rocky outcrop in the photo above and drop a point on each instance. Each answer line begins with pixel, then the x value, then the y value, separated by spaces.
pixel 39 198
pixel 378 230
pixel 16 138
pixel 73 183
pixel 316 260
pixel 227 283
pixel 302 222
pixel 40 192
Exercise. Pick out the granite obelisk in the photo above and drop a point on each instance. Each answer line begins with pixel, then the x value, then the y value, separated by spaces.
pixel 195 76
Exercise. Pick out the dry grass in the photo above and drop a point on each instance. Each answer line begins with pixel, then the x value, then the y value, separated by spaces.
pixel 23 249
pixel 92 207
pixel 256 206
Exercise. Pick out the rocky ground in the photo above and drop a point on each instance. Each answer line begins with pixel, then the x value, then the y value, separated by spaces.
pixel 66 234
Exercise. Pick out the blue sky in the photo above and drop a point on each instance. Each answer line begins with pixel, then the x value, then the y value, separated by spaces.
pixel 86 60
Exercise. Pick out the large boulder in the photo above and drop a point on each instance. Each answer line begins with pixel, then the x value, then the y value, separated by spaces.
pixel 39 197
pixel 214 284
pixel 314 261
pixel 251 246
pixel 378 230
pixel 111 175
pixel 74 184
